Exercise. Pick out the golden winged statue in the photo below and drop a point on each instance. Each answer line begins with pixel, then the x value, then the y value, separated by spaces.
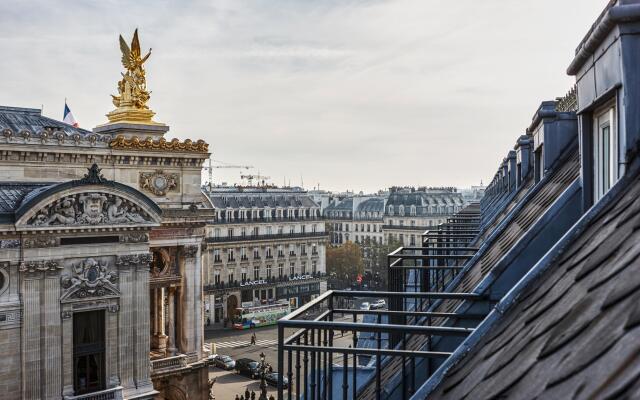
pixel 132 88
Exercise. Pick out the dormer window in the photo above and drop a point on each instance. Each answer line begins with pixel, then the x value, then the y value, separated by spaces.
pixel 605 154
pixel 390 210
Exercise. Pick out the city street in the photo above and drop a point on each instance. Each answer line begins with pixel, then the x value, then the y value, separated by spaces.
pixel 237 344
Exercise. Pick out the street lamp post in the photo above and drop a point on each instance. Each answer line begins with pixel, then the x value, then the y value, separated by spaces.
pixel 263 383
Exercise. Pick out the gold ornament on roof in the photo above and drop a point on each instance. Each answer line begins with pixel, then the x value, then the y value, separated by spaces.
pixel 175 145
pixel 133 86
pixel 132 98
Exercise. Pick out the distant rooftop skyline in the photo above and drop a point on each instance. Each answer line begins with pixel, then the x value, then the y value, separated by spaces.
pixel 352 94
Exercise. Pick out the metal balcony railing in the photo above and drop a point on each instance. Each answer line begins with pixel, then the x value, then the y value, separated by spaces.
pixel 322 363
pixel 245 238
pixel 314 352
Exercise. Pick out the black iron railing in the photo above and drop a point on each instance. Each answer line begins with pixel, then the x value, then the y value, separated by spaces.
pixel 310 351
pixel 253 238
pixel 322 365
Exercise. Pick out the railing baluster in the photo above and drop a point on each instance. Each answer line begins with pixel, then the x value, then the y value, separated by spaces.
pixel 289 373
pixel 312 386
pixel 378 360
pixel 345 377
pixel 305 369
pixel 318 370
pixel 297 370
pixel 325 367
pixel 355 358
pixel 404 369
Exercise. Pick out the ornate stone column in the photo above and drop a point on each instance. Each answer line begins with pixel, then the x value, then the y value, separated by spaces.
pixel 126 266
pixel 52 333
pixel 142 313
pixel 31 384
pixel 67 351
pixel 112 344
pixel 171 331
pixel 191 303
pixel 154 308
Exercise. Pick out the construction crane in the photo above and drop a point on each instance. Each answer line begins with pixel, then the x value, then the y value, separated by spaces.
pixel 210 169
pixel 251 177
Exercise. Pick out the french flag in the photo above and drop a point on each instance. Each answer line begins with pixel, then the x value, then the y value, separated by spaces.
pixel 68 116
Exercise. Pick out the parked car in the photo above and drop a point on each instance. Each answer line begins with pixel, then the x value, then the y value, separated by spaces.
pixel 224 362
pixel 365 306
pixel 378 304
pixel 272 379
pixel 248 367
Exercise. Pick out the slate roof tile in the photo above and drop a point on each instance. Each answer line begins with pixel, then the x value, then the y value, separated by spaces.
pixel 575 331
pixel 12 195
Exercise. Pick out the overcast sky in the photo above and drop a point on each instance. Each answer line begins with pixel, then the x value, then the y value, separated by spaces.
pixel 350 94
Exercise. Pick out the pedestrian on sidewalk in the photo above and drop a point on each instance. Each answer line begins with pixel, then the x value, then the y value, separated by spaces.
pixel 253 339
pixel 208 321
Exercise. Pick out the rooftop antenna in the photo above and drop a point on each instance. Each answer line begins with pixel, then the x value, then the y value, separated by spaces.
pixel 301 181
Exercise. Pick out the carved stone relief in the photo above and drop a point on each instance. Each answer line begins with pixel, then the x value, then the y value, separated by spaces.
pixel 90 209
pixel 159 182
pixel 39 241
pixel 32 267
pixel 135 237
pixel 89 278
pixel 9 243
pixel 141 260
pixel 190 251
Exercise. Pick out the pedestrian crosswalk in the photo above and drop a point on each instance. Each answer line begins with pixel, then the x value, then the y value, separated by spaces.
pixel 245 343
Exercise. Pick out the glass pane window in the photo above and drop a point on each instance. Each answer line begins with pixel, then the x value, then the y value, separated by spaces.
pixel 605 152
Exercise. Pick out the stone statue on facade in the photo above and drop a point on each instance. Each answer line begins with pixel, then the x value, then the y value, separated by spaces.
pixel 90 209
pixel 89 278
pixel 63 213
pixel 132 88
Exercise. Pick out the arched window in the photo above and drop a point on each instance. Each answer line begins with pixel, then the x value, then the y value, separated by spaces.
pixel 390 210
pixel 401 210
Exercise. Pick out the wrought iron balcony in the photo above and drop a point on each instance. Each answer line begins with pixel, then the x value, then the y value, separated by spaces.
pixel 265 237
pixel 409 339
pixel 319 360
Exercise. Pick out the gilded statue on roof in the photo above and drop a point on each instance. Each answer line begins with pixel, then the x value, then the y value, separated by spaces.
pixel 132 88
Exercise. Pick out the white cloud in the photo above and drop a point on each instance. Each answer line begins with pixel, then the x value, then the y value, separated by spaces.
pixel 351 94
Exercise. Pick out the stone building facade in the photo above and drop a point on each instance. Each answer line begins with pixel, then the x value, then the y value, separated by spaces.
pixel 401 215
pixel 358 219
pixel 409 212
pixel 263 245
pixel 100 258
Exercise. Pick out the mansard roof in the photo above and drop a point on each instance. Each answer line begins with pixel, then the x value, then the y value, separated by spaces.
pixel 420 199
pixel 344 205
pixel 373 205
pixel 19 119
pixel 235 200
pixel 571 327
pixel 12 194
